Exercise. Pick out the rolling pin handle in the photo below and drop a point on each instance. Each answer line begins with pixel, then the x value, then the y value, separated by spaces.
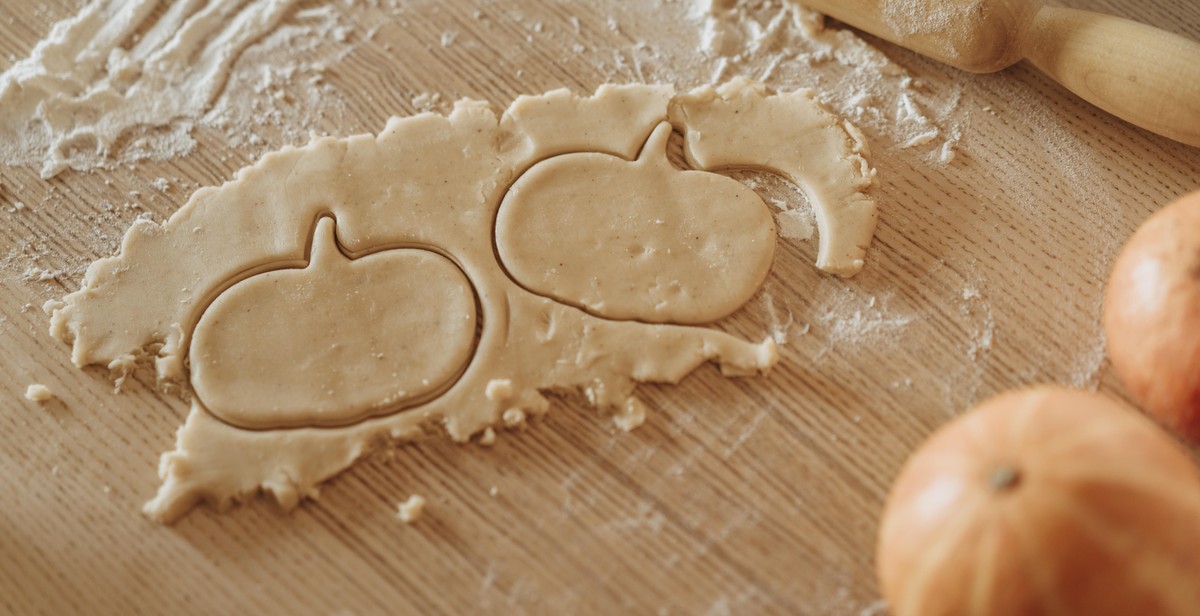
pixel 1136 72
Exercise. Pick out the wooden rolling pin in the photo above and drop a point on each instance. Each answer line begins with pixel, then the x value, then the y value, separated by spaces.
pixel 1141 74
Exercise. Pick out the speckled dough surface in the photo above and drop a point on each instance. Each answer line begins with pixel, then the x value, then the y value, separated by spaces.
pixel 445 272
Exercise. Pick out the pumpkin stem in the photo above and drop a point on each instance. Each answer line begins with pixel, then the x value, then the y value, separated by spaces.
pixel 1004 478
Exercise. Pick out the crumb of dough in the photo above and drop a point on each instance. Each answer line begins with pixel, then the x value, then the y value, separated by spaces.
pixel 493 491
pixel 38 393
pixel 513 417
pixel 631 416
pixel 410 510
pixel 499 389
pixel 948 152
pixel 489 438
pixel 426 101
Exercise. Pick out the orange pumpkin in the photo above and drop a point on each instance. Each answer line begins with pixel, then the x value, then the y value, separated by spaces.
pixel 1046 501
pixel 1152 316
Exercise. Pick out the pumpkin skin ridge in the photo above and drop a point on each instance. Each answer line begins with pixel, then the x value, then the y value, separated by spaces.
pixel 1085 435
pixel 1111 538
pixel 1149 486
pixel 1020 425
pixel 1120 475
pixel 1043 581
pixel 987 560
pixel 960 454
pixel 927 566
pixel 1150 572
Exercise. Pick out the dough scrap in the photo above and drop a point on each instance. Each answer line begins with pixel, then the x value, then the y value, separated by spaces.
pixel 741 121
pixel 38 393
pixel 435 183
pixel 410 510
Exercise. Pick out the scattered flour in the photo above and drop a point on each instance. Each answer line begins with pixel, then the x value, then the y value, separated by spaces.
pixel 41 274
pixel 795 219
pixel 855 321
pixel 114 68
pixel 123 81
pixel 923 17
pixel 978 315
pixel 781 329
pixel 427 101
pixel 787 44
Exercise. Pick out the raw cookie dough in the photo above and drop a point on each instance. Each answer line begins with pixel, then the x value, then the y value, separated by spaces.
pixel 335 342
pixel 676 246
pixel 430 187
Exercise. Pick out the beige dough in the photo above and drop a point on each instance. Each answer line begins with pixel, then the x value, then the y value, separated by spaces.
pixel 336 341
pixel 676 246
pixel 423 301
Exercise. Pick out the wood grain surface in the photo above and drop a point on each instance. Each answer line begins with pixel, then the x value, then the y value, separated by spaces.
pixel 736 497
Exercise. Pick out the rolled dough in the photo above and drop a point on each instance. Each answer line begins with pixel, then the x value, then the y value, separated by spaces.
pixel 453 293
pixel 675 246
pixel 335 342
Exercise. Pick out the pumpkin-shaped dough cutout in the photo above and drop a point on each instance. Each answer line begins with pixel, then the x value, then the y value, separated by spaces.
pixel 336 342
pixel 636 239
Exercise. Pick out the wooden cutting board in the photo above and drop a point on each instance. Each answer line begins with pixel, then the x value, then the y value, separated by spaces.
pixel 737 496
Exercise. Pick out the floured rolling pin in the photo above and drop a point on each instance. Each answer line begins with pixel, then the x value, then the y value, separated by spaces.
pixel 1141 74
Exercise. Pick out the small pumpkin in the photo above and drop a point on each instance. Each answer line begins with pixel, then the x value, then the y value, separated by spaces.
pixel 1152 316
pixel 1044 501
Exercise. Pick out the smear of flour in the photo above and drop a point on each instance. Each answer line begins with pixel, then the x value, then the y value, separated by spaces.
pixel 977 314
pixel 795 224
pixel 786 43
pixel 124 81
pixel 853 320
pixel 128 80
pixel 916 17
pixel 794 215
